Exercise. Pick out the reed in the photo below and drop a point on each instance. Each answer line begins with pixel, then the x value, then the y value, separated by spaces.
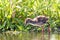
pixel 14 12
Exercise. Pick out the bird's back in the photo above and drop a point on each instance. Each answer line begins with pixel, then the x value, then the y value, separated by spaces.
pixel 42 19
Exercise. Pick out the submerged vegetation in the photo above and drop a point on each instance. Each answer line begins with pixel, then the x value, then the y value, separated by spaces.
pixel 14 12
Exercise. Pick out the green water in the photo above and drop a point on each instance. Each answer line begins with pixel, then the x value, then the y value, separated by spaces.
pixel 29 36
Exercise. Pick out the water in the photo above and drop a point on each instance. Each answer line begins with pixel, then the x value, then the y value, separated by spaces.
pixel 10 35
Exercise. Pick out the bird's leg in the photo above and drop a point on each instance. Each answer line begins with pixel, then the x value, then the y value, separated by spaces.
pixel 49 30
pixel 42 32
pixel 42 29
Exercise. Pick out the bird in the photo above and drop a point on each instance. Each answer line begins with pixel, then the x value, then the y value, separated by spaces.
pixel 38 21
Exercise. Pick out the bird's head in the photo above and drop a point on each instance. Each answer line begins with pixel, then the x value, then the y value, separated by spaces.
pixel 27 21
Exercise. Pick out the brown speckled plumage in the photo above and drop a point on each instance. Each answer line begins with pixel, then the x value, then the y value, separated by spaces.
pixel 38 21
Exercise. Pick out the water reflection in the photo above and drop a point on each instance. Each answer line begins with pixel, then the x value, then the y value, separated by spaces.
pixel 29 36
